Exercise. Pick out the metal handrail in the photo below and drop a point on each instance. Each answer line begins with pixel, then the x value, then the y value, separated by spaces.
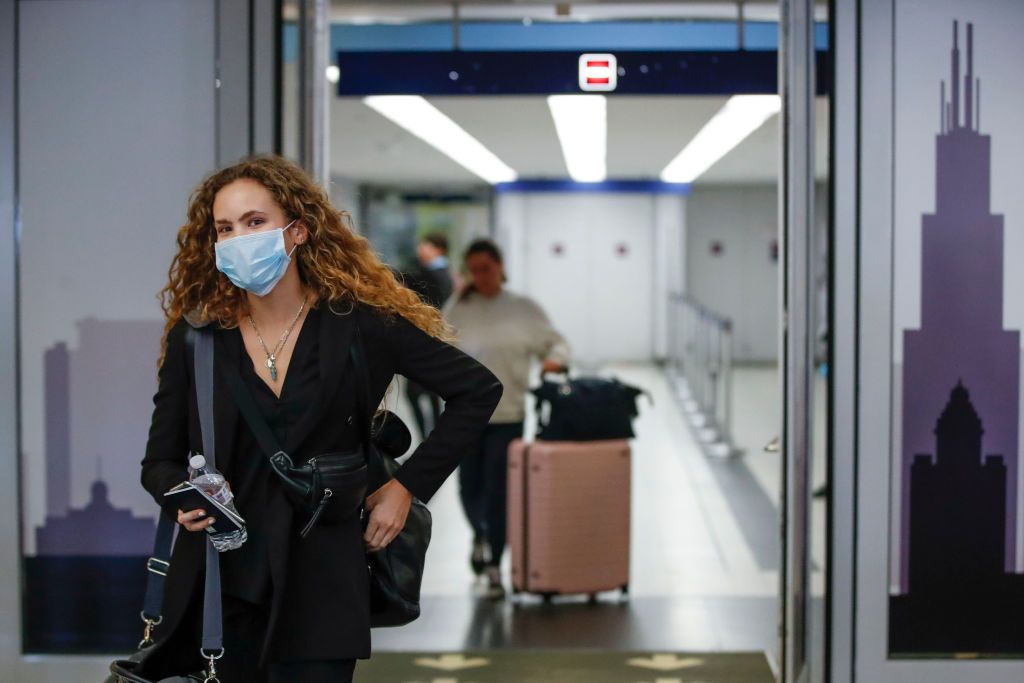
pixel 700 369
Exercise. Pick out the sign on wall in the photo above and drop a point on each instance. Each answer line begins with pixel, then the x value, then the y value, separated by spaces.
pixel 956 575
pixel 598 72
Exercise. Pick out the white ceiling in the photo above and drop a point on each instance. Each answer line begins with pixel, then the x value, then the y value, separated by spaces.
pixel 644 133
pixel 402 11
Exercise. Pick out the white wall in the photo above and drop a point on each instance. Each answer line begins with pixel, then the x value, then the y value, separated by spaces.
pixel 742 282
pixel 105 182
pixel 601 264
pixel 117 125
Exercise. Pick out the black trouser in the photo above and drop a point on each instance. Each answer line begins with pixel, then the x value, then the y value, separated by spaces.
pixel 413 392
pixel 245 626
pixel 483 478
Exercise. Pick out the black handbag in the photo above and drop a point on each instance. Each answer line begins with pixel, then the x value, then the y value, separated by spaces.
pixel 331 487
pixel 130 670
pixel 585 409
pixel 396 572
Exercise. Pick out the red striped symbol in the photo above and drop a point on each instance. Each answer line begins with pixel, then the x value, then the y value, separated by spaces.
pixel 598 72
pixel 591 63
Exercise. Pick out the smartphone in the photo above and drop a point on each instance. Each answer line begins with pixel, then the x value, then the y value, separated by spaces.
pixel 188 498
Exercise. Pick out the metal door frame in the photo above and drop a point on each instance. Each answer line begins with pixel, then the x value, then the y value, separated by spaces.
pixel 796 224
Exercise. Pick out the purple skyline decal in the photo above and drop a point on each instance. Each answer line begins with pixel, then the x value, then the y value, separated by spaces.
pixel 960 410
pixel 85 581
pixel 961 338
pixel 97 402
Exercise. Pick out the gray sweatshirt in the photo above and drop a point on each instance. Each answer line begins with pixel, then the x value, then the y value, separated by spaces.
pixel 505 333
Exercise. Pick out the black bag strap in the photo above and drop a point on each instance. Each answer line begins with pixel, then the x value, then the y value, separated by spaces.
pixel 201 344
pixel 213 623
pixel 253 417
pixel 157 566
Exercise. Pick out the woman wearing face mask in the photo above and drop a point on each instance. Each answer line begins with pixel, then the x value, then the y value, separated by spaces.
pixel 284 283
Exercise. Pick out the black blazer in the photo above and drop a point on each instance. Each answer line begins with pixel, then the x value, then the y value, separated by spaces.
pixel 434 285
pixel 320 601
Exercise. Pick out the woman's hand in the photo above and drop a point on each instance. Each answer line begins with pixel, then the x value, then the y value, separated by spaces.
pixel 552 366
pixel 195 520
pixel 388 507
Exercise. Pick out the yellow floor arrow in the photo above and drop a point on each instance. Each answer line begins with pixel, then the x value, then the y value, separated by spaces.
pixel 451 662
pixel 671 662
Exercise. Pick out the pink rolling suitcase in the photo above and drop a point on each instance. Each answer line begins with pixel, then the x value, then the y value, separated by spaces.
pixel 568 516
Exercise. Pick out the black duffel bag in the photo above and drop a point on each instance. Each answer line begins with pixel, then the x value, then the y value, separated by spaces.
pixel 585 409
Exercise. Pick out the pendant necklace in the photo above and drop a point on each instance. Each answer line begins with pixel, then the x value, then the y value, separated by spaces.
pixel 272 357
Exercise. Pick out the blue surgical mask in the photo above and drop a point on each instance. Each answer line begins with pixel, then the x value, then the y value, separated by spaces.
pixel 255 262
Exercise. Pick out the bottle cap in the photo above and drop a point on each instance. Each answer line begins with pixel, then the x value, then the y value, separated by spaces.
pixel 197 461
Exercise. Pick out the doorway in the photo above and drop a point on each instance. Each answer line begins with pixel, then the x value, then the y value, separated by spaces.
pixel 603 263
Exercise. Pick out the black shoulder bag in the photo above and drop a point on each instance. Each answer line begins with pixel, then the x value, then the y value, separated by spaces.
pixel 127 670
pixel 396 572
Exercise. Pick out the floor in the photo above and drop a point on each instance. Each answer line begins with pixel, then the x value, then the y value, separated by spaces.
pixel 552 666
pixel 704 552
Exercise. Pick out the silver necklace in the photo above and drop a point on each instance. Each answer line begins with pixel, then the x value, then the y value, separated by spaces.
pixel 272 357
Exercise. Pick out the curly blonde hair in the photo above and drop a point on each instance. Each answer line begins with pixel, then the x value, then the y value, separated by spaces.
pixel 335 263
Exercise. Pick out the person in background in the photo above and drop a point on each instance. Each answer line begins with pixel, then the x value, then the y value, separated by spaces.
pixel 432 254
pixel 505 332
pixel 432 281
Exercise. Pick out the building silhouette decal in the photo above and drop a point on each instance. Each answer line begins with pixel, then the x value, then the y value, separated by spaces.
pixel 85 581
pixel 97 529
pixel 960 410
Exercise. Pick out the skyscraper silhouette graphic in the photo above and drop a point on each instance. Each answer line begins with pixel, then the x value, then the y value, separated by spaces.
pixel 961 337
pixel 961 384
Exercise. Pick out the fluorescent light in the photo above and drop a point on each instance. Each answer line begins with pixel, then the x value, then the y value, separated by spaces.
pixel 582 125
pixel 428 123
pixel 741 116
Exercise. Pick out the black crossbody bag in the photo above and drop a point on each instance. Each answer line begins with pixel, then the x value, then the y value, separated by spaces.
pixel 329 487
pixel 332 487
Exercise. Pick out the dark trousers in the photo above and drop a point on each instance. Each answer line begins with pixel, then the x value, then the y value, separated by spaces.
pixel 483 478
pixel 414 392
pixel 245 626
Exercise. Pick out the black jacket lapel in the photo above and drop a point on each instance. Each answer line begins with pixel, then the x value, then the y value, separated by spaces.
pixel 336 334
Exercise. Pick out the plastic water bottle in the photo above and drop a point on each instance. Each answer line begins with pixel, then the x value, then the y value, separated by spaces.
pixel 210 481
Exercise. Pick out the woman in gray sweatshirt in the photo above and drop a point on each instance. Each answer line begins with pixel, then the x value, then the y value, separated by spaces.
pixel 505 332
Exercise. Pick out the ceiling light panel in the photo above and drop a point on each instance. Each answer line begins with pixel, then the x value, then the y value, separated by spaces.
pixel 428 123
pixel 581 122
pixel 741 116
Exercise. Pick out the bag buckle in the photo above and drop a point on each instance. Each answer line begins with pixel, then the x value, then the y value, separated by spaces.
pixel 210 675
pixel 147 632
pixel 158 566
